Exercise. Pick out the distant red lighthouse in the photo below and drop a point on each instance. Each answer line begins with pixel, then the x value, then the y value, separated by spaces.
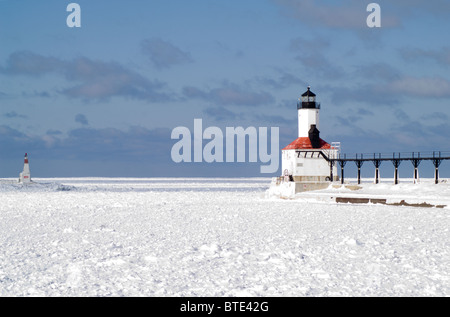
pixel 25 175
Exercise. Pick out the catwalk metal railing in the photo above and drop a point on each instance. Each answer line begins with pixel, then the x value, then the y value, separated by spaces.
pixel 436 157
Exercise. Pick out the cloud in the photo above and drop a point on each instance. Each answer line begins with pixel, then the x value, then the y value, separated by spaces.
pixel 275 120
pixel 282 81
pixel 301 44
pixel 310 54
pixel 53 132
pixel 13 114
pixel 411 134
pixel 364 112
pixel 93 79
pixel 371 94
pixel 440 56
pixel 13 142
pixel 100 80
pixel 352 117
pixel 401 115
pixel 439 8
pixel 42 94
pixel 287 103
pixel 435 116
pixel 28 63
pixel 163 54
pixel 229 94
pixel 106 152
pixel 135 144
pixel 389 89
pixel 220 113
pixel 421 87
pixel 405 134
pixel 81 118
pixel 378 71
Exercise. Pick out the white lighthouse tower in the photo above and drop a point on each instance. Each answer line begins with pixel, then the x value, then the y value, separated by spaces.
pixel 307 158
pixel 25 175
pixel 308 113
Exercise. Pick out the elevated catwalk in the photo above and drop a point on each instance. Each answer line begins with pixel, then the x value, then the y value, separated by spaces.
pixel 436 157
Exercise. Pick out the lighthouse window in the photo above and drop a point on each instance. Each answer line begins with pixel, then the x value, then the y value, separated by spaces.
pixel 299 164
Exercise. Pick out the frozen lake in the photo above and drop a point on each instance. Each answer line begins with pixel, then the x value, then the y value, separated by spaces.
pixel 213 237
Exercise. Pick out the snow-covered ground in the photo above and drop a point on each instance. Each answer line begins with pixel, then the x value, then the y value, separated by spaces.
pixel 216 237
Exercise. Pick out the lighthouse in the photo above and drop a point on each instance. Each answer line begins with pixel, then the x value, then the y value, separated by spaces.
pixel 25 175
pixel 307 159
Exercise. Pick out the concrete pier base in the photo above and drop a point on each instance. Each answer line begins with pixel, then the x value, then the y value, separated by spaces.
pixel 288 189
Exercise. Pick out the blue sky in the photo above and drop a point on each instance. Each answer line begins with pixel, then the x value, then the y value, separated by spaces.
pixel 102 100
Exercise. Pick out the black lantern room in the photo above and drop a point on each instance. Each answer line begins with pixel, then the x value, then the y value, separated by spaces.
pixel 308 100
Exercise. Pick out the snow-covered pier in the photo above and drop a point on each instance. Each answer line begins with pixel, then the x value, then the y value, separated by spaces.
pixel 423 194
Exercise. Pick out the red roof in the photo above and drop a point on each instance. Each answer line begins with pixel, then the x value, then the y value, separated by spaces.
pixel 304 143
